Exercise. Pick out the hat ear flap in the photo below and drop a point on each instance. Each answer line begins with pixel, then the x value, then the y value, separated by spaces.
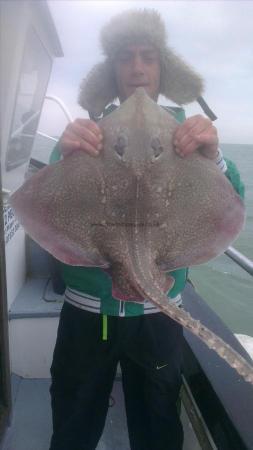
pixel 179 82
pixel 98 88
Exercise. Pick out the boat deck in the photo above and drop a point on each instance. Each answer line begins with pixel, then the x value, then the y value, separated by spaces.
pixel 31 425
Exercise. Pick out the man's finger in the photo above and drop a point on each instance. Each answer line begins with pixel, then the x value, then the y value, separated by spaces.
pixel 69 145
pixel 189 147
pixel 207 138
pixel 92 151
pixel 87 123
pixel 195 124
pixel 85 134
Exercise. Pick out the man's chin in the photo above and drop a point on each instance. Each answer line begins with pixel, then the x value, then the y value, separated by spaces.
pixel 132 89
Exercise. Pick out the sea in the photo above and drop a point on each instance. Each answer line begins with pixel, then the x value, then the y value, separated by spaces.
pixel 226 287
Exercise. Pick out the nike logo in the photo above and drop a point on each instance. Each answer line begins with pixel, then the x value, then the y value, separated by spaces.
pixel 160 367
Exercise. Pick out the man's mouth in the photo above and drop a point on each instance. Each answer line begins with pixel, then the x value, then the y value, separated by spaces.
pixel 136 85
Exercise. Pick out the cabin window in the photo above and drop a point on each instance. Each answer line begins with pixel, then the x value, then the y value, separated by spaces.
pixel 34 74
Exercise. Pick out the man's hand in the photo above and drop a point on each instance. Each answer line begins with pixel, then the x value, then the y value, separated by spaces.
pixel 82 134
pixel 196 133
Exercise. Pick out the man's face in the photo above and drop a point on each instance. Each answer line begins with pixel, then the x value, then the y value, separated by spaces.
pixel 135 66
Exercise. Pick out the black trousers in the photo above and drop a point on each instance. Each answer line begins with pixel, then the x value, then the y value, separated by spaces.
pixel 148 348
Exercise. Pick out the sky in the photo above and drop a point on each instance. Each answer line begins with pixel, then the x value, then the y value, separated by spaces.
pixel 214 37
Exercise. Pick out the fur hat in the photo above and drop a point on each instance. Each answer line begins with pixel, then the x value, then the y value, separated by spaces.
pixel 178 81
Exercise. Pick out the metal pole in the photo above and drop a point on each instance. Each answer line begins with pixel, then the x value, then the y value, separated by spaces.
pixel 240 259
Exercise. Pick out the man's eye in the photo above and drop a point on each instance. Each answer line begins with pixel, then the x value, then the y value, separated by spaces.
pixel 125 57
pixel 149 60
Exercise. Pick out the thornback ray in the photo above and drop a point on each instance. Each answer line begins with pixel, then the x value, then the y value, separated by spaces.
pixel 137 211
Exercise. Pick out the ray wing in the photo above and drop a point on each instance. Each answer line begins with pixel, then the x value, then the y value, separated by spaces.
pixel 59 206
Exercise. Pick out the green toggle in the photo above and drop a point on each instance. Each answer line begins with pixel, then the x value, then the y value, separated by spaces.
pixel 104 333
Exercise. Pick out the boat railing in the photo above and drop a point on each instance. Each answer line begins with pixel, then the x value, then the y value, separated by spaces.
pixel 240 259
pixel 62 106
pixel 51 138
pixel 34 116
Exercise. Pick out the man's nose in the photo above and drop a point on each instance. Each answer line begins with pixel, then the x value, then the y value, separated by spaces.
pixel 138 66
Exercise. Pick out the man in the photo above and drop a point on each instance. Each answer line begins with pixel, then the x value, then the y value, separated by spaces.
pixel 95 330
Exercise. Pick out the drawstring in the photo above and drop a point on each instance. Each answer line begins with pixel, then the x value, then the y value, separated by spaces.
pixel 104 328
pixel 104 338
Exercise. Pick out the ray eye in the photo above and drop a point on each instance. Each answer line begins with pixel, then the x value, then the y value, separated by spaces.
pixel 120 145
pixel 156 146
